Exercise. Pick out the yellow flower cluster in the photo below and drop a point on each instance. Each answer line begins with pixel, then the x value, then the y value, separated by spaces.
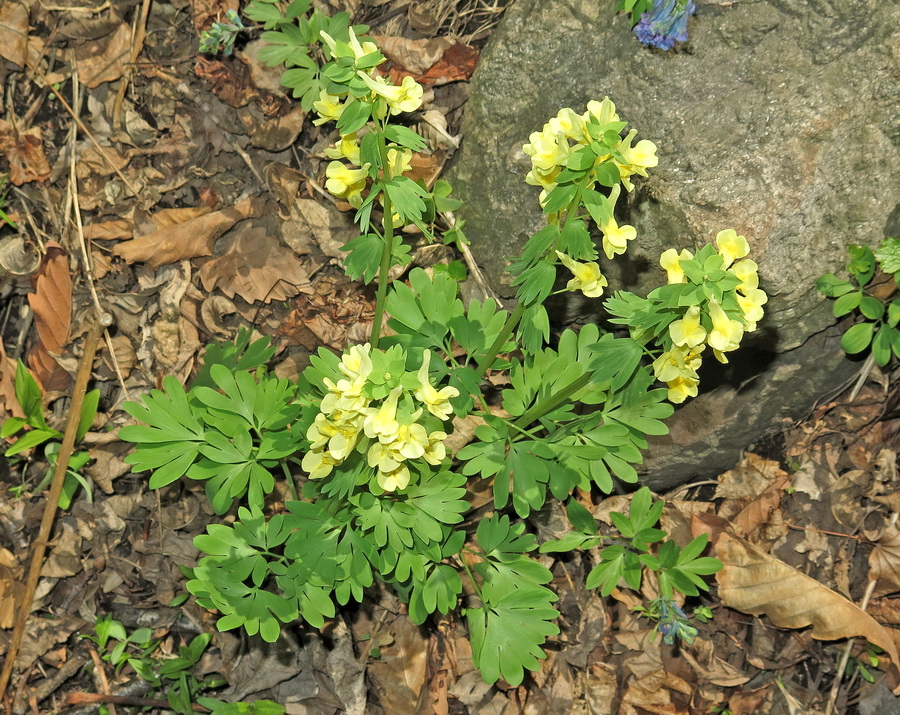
pixel 550 148
pixel 345 182
pixel 678 367
pixel 349 421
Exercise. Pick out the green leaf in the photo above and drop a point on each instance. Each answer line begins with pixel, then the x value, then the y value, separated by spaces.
pixel 29 396
pixel 862 263
pixel 31 439
pixel 580 518
pixel 507 634
pixel 354 116
pixel 857 338
pixel 404 136
pixel 832 286
pixel 888 255
pixel 88 412
pixel 881 344
pixel 575 240
pixel 870 307
pixel 847 303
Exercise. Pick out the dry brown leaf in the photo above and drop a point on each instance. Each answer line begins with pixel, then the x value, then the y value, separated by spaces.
pixel 9 405
pixel 750 478
pixel 256 267
pixel 14 33
pixel 192 238
pixel 418 56
pixel 52 306
pixel 884 563
pixel 24 150
pixel 754 582
pixel 885 610
pixel 314 222
pixel 11 588
pixel 100 62
pixel 659 693
pixel 399 675
pixel 456 63
pixel 709 667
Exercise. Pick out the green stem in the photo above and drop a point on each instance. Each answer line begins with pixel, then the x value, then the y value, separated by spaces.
pixel 553 401
pixel 290 480
pixel 385 267
pixel 511 322
pixel 470 574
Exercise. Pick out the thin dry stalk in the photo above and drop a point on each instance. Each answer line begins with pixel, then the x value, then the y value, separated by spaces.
pixel 50 507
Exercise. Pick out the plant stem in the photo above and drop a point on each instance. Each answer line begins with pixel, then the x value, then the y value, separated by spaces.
pixel 387 251
pixel 471 575
pixel 511 322
pixel 553 401
pixel 290 480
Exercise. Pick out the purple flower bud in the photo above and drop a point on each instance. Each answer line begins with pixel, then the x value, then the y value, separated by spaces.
pixel 666 24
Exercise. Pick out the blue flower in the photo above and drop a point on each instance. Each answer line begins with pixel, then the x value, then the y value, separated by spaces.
pixel 666 24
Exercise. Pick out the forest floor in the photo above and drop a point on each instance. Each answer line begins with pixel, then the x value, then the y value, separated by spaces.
pixel 186 200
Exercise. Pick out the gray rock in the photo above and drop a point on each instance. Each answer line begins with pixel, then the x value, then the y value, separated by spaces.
pixel 779 119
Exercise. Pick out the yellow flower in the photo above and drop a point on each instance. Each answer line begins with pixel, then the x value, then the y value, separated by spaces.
pixel 677 362
pixel 346 183
pixel 615 237
pixel 669 260
pixel 678 369
pixel 382 422
pixel 731 246
pixel 688 332
pixel 437 402
pixel 588 278
pixel 411 441
pixel 746 271
pixel 548 151
pixel 638 158
pixel 347 148
pixel 318 463
pixel 394 480
pixel 399 161
pixel 681 388
pixel 357 362
pixel 604 112
pixel 405 98
pixel 569 123
pixel 329 107
pixel 726 333
pixel 751 302
pixel 359 50
pixel 436 451
pixel 383 457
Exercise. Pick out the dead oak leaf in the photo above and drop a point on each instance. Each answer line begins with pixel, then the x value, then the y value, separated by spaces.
pixel 14 33
pixel 51 303
pixel 24 150
pixel 109 63
pixel 754 582
pixel 191 238
pixel 256 267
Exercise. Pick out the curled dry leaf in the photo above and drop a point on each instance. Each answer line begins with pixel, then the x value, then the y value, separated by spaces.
pixel 754 582
pixel 52 306
pixel 9 405
pixel 11 587
pixel 194 237
pixel 884 563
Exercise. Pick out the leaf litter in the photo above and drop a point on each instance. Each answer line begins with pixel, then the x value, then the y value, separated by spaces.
pixel 230 227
